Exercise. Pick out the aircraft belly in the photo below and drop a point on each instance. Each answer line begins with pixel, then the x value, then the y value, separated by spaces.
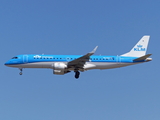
pixel 106 65
pixel 34 65
pixel 41 65
pixel 109 65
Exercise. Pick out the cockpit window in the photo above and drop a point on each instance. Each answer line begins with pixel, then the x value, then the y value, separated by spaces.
pixel 15 58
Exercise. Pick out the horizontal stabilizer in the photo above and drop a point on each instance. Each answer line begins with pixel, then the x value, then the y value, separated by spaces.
pixel 142 58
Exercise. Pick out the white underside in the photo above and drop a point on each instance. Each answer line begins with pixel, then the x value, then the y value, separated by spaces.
pixel 87 66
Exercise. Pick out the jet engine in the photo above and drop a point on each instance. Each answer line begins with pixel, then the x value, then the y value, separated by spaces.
pixel 59 68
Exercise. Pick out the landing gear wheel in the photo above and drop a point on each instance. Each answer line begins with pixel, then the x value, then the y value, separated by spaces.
pixel 20 73
pixel 77 73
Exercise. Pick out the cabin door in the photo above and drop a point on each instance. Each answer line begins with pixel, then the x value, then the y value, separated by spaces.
pixel 25 58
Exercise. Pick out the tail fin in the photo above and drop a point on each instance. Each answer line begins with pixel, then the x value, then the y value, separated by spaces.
pixel 140 48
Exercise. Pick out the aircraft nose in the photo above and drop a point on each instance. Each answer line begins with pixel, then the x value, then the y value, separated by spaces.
pixel 6 64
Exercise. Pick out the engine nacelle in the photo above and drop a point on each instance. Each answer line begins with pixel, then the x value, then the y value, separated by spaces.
pixel 59 68
pixel 58 72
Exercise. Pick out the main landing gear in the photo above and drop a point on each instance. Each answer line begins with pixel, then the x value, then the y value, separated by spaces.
pixel 77 73
pixel 20 71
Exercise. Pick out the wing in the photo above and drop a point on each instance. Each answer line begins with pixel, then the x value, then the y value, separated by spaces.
pixel 79 62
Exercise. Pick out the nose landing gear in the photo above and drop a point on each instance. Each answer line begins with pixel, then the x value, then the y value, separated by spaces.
pixel 20 71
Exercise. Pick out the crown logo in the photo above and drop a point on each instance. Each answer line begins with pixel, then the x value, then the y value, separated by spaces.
pixel 139 46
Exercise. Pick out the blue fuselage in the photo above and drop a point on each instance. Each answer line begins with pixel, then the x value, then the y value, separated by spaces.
pixel 46 61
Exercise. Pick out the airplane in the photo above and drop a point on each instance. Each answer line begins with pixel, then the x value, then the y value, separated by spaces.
pixel 62 64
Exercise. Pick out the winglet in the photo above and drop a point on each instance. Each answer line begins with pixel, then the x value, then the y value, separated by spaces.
pixel 93 51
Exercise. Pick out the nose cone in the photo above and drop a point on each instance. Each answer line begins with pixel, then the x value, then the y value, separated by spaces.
pixel 7 63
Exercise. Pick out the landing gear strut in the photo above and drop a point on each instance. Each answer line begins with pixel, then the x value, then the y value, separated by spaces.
pixel 21 71
pixel 77 73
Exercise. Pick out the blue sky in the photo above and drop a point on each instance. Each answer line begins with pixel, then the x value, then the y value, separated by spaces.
pixel 76 27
